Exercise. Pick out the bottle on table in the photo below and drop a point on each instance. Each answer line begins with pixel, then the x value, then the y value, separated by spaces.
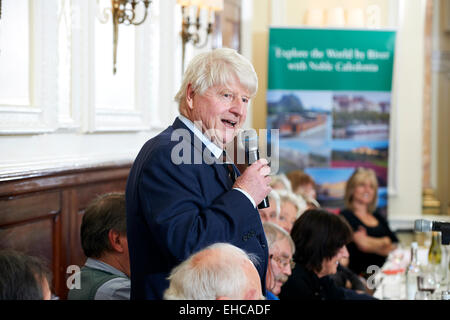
pixel 412 272
pixel 435 252
pixel 435 257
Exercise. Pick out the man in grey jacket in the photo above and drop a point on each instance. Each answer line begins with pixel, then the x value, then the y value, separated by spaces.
pixel 106 273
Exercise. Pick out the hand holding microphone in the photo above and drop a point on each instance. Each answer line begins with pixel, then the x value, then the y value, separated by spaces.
pixel 255 180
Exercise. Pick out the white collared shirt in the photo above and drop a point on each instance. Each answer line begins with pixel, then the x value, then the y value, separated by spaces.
pixel 215 150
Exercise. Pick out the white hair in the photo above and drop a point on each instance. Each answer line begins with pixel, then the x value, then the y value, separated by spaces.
pixel 201 277
pixel 273 196
pixel 275 233
pixel 295 199
pixel 217 67
pixel 283 180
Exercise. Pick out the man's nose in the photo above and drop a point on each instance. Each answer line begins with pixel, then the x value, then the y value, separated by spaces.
pixel 238 107
pixel 288 270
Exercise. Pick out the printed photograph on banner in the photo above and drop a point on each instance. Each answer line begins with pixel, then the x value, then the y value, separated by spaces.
pixel 361 115
pixel 366 154
pixel 304 121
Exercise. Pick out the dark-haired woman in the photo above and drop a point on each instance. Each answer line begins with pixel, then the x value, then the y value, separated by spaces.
pixel 320 241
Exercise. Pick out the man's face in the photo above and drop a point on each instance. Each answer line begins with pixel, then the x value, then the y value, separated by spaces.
pixel 125 258
pixel 280 262
pixel 221 110
pixel 269 214
pixel 288 215
pixel 329 266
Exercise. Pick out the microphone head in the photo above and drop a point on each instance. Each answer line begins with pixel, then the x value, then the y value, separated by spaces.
pixel 422 225
pixel 250 139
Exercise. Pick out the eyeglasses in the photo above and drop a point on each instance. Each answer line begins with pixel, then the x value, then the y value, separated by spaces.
pixel 283 262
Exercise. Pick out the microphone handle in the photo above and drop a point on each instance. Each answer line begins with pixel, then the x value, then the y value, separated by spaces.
pixel 437 226
pixel 253 156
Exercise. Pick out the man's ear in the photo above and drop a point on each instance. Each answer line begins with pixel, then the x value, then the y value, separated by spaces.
pixel 115 240
pixel 190 96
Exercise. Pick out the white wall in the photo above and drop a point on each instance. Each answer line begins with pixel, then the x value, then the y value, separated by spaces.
pixel 405 176
pixel 405 201
pixel 77 114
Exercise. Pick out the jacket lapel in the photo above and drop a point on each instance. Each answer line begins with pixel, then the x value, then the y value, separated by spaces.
pixel 198 153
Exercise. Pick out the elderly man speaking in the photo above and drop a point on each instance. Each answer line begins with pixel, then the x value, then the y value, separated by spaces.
pixel 180 195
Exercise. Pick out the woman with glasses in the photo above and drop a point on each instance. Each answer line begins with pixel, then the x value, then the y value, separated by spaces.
pixel 373 240
pixel 320 240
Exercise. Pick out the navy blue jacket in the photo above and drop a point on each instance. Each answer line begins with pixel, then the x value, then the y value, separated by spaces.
pixel 174 210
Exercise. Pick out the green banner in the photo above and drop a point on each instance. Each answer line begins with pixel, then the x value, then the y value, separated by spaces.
pixel 329 96
pixel 331 59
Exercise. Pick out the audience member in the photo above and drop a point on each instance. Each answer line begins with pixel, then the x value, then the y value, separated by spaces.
pixel 373 240
pixel 291 207
pixel 281 249
pixel 272 213
pixel 303 184
pixel 220 271
pixel 105 275
pixel 280 182
pixel 320 241
pixel 23 277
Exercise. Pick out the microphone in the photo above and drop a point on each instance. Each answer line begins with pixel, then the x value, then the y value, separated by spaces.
pixel 423 225
pixel 250 141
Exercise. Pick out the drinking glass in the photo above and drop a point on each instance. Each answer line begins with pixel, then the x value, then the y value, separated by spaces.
pixel 426 282
pixel 391 285
pixel 423 295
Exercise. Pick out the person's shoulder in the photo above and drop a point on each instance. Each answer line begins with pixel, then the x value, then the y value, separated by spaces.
pixel 298 285
pixel 377 214
pixel 347 213
pixel 118 288
pixel 163 147
pixel 300 276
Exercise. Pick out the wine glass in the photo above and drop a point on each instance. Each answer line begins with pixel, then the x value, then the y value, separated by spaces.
pixel 426 282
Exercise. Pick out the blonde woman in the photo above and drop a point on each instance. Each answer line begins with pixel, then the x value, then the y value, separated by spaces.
pixel 373 240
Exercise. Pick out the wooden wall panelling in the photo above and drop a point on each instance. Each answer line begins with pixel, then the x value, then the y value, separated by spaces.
pixel 40 214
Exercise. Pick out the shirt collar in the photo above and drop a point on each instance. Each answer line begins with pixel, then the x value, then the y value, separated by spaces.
pixel 100 265
pixel 215 150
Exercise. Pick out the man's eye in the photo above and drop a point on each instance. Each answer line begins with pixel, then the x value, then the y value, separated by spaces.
pixel 228 95
pixel 245 100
